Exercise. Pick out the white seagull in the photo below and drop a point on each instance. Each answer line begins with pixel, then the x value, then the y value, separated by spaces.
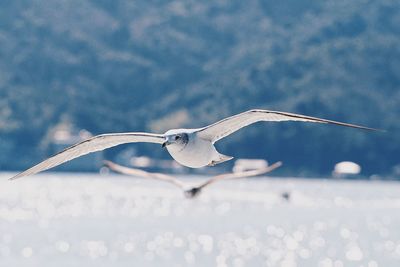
pixel 193 148
pixel 190 191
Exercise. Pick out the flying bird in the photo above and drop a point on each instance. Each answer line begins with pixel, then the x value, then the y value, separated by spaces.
pixel 193 148
pixel 190 191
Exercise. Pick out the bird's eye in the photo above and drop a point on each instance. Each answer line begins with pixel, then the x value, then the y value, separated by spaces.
pixel 177 137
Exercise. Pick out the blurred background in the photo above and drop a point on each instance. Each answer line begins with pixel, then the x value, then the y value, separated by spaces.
pixel 71 69
pixel 113 66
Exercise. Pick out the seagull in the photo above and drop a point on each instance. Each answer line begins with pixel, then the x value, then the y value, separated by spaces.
pixel 192 148
pixel 194 191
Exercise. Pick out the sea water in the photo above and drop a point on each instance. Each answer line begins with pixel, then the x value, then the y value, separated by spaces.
pixel 92 220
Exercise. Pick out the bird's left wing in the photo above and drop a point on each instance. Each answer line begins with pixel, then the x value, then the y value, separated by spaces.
pixel 227 126
pixel 96 143
pixel 244 174
pixel 144 174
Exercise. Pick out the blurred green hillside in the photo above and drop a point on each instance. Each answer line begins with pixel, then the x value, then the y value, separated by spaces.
pixel 111 66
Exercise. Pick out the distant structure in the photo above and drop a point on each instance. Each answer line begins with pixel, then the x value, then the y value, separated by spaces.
pixel 161 164
pixel 346 169
pixel 130 157
pixel 64 135
pixel 242 165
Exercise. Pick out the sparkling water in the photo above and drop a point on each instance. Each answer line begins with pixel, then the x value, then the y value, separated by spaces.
pixel 92 220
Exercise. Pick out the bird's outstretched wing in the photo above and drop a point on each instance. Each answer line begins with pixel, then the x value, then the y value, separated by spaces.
pixel 143 174
pixel 227 126
pixel 238 175
pixel 96 143
pixel 170 179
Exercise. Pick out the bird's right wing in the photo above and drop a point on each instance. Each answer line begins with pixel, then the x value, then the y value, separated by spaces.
pixel 227 126
pixel 244 174
pixel 96 143
pixel 143 174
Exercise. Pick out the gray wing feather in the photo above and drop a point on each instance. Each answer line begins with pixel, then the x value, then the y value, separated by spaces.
pixel 143 174
pixel 225 127
pixel 244 174
pixel 96 143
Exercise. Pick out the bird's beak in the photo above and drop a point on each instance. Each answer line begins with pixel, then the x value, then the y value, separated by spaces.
pixel 166 143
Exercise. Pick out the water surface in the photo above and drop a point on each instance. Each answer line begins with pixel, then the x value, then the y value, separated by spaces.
pixel 92 220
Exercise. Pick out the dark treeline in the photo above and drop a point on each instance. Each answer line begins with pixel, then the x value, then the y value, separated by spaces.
pixel 110 66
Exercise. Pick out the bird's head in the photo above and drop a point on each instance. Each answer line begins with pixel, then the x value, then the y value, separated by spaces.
pixel 175 139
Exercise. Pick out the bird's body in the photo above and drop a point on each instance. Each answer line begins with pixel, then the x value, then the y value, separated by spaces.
pixel 196 152
pixel 192 148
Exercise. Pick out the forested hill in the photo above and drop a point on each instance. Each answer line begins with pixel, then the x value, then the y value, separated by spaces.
pixel 122 65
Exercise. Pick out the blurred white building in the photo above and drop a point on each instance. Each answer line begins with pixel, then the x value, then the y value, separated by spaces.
pixel 346 169
pixel 249 164
pixel 130 157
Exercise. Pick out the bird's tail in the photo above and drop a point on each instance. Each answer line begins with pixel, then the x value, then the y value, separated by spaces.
pixel 221 158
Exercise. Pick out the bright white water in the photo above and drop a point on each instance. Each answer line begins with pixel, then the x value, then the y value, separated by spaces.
pixel 90 220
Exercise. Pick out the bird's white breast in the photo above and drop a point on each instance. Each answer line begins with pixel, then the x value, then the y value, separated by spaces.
pixel 196 153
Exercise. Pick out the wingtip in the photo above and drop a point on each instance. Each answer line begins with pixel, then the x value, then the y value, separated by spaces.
pixel 276 165
pixel 16 177
pixel 372 129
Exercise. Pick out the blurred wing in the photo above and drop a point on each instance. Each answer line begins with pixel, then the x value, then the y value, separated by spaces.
pixel 225 127
pixel 93 144
pixel 245 174
pixel 140 173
